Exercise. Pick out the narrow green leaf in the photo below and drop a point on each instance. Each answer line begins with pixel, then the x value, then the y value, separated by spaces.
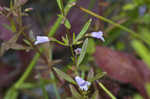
pixel 74 36
pixel 91 46
pixel 67 24
pixel 90 74
pixel 27 42
pixel 83 31
pixel 11 94
pixel 57 24
pixel 148 88
pixel 65 40
pixel 28 86
pixel 75 93
pixel 143 52
pixel 57 41
pixel 137 96
pixel 83 52
pixel 98 76
pixel 64 75
pixel 60 5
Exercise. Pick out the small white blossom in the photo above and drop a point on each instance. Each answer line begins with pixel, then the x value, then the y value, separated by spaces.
pixel 82 83
pixel 77 51
pixel 98 35
pixel 41 39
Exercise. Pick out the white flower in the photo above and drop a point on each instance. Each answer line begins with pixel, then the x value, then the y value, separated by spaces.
pixel 77 51
pixel 82 83
pixel 41 39
pixel 98 35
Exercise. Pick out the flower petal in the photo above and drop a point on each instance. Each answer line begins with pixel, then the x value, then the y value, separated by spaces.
pixel 41 39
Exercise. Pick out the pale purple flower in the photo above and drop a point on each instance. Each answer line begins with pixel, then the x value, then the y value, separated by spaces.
pixel 41 39
pixel 83 85
pixel 98 35
pixel 77 51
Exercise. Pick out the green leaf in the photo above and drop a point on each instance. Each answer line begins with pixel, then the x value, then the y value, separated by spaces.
pixel 57 41
pixel 66 40
pixel 129 6
pixel 11 94
pixel 148 88
pixel 83 31
pixel 83 52
pixel 57 24
pixel 75 93
pixel 90 74
pixel 28 86
pixel 60 5
pixel 64 75
pixel 91 46
pixel 139 2
pixel 142 51
pixel 74 36
pixel 137 96
pixel 67 24
pixel 145 33
pixel 98 76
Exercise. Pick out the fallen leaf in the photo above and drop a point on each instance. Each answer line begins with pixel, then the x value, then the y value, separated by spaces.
pixel 123 67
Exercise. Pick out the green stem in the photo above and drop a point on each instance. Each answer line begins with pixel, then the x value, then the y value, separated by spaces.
pixel 73 55
pixel 45 94
pixel 37 55
pixel 106 90
pixel 28 70
pixel 55 86
pixel 59 20
pixel 134 34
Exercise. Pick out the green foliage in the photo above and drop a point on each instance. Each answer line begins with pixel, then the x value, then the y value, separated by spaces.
pixel 144 53
pixel 148 88
pixel 64 75
pixel 12 94
pixel 138 32
pixel 83 52
pixel 60 5
pixel 67 24
pixel 137 96
pixel 97 76
pixel 91 46
pixel 83 31
pixel 75 92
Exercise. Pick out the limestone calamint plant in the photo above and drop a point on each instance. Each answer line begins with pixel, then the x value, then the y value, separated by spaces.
pixel 81 38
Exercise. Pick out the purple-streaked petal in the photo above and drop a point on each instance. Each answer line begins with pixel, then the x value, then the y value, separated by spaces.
pixel 41 39
pixel 98 35
pixel 83 85
pixel 77 51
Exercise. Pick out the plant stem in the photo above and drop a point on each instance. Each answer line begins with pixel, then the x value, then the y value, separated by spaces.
pixel 134 34
pixel 55 86
pixel 45 94
pixel 28 70
pixel 106 90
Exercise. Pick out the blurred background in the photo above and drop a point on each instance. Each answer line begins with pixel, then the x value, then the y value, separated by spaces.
pixel 125 57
